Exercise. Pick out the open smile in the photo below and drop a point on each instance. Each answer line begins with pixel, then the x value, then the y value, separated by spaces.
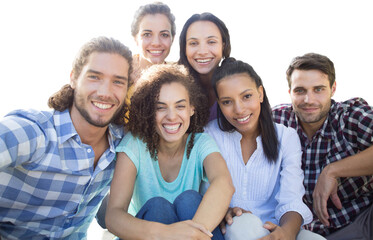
pixel 103 106
pixel 171 128
pixel 156 52
pixel 204 60
pixel 244 119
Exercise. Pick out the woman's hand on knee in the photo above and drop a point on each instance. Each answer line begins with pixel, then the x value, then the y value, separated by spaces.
pixel 228 219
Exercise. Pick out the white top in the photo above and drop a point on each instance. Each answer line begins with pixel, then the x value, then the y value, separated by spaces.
pixel 268 190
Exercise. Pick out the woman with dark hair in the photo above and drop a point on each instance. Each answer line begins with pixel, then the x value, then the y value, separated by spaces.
pixel 204 42
pixel 163 160
pixel 263 158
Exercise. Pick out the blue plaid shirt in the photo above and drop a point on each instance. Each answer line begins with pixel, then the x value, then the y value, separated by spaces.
pixel 48 186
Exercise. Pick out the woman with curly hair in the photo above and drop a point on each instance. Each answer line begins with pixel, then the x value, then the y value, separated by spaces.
pixel 163 160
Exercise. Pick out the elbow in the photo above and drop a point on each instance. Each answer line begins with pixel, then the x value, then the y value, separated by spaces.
pixel 108 221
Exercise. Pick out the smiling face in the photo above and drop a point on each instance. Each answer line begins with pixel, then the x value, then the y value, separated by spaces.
pixel 204 46
pixel 154 38
pixel 239 100
pixel 173 112
pixel 100 89
pixel 311 94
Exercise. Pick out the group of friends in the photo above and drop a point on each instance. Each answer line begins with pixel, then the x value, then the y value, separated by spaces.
pixel 189 150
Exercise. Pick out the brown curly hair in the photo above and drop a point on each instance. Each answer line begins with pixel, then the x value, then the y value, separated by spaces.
pixel 143 104
pixel 64 98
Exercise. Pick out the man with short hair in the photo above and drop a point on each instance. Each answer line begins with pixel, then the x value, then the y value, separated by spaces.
pixel 56 166
pixel 336 140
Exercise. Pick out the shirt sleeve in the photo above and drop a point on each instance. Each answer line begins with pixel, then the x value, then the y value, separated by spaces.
pixel 206 145
pixel 359 123
pixel 291 191
pixel 21 140
pixel 132 147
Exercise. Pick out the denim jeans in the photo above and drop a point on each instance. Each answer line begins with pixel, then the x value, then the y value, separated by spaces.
pixel 160 210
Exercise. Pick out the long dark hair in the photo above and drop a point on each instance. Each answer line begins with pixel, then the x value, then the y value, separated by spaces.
pixel 182 40
pixel 230 66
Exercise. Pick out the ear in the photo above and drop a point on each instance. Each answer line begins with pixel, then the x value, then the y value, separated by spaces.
pixel 72 80
pixel 191 111
pixel 334 87
pixel 261 93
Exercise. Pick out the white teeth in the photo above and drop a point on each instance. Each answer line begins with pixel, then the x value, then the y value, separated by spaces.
pixel 101 105
pixel 243 119
pixel 155 52
pixel 203 60
pixel 172 127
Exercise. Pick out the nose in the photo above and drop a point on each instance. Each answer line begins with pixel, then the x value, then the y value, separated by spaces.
pixel 104 90
pixel 171 113
pixel 238 108
pixel 156 41
pixel 203 49
pixel 308 98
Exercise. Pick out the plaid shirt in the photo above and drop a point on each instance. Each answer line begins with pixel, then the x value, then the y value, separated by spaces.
pixel 49 188
pixel 347 131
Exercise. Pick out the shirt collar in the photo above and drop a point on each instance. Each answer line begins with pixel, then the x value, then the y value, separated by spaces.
pixel 66 130
pixel 64 126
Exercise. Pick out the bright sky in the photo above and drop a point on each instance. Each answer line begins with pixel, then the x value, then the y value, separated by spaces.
pixel 39 40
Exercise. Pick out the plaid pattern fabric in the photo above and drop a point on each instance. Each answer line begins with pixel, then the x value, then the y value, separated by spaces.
pixel 347 131
pixel 48 187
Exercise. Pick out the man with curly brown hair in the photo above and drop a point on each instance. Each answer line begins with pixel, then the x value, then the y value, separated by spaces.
pixel 56 166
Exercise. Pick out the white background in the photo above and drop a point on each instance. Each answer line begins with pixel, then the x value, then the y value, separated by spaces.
pixel 39 40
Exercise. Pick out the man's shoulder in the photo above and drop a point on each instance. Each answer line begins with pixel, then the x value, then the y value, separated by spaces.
pixel 353 103
pixel 30 117
pixel 352 108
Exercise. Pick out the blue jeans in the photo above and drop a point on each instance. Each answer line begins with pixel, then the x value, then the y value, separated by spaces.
pixel 160 210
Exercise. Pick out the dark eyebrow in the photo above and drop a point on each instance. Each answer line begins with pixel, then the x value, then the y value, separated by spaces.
pixel 209 37
pixel 100 73
pixel 212 36
pixel 93 71
pixel 320 86
pixel 298 88
pixel 245 91
pixel 242 93
pixel 181 100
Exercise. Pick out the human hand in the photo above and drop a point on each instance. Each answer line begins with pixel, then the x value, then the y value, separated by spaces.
pixel 277 232
pixel 326 186
pixel 186 230
pixel 228 219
